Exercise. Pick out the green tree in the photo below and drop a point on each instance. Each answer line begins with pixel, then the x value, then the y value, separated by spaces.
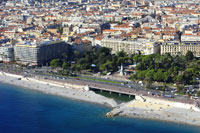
pixel 141 74
pixel 83 63
pixel 158 76
pixel 64 65
pixel 77 54
pixel 180 88
pixel 198 93
pixel 137 58
pixel 189 75
pixel 122 58
pixel 149 85
pixel 102 67
pixel 189 56
pixel 149 75
pixel 166 76
pixel 164 87
pixel 178 78
pixel 121 54
pixel 108 65
pixel 55 63
pixel 104 50
pixel 66 57
pixel 77 67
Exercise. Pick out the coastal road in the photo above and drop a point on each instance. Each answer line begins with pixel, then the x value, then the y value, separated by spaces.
pixel 97 84
pixel 115 87
pixel 42 72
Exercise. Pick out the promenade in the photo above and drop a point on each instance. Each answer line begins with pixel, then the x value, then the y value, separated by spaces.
pixel 104 86
pixel 120 89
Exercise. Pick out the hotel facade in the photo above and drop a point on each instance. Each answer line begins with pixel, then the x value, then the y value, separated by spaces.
pixel 39 54
pixel 180 48
pixel 130 46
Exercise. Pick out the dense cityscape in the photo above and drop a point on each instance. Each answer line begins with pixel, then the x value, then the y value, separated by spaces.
pixel 36 32
pixel 144 49
pixel 130 26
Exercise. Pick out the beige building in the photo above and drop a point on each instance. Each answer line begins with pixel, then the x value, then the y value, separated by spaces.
pixel 130 46
pixel 177 48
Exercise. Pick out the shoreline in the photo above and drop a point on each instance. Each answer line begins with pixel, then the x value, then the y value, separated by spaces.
pixel 154 109
pixel 68 98
pixel 161 120
pixel 78 92
pixel 132 109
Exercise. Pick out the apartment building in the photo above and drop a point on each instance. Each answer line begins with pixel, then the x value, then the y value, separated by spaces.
pixel 39 54
pixel 130 46
pixel 6 53
pixel 177 48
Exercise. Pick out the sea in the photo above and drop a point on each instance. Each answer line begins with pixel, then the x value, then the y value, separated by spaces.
pixel 27 111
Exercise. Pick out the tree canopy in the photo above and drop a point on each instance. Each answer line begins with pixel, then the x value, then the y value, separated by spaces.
pixel 167 68
pixel 155 67
pixel 55 63
pixel 97 60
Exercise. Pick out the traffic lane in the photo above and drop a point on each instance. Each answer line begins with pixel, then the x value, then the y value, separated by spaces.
pixel 22 71
pixel 134 86
pixel 107 86
pixel 89 82
pixel 100 85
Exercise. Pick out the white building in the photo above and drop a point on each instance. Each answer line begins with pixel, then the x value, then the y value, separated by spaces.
pixel 177 48
pixel 190 38
pixel 146 47
pixel 6 53
pixel 10 3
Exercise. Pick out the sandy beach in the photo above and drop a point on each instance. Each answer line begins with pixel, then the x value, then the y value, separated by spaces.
pixel 76 92
pixel 155 109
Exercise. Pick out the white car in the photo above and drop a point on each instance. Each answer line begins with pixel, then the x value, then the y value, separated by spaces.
pixel 140 82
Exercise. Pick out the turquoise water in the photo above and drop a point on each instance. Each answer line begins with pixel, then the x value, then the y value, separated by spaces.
pixel 26 111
